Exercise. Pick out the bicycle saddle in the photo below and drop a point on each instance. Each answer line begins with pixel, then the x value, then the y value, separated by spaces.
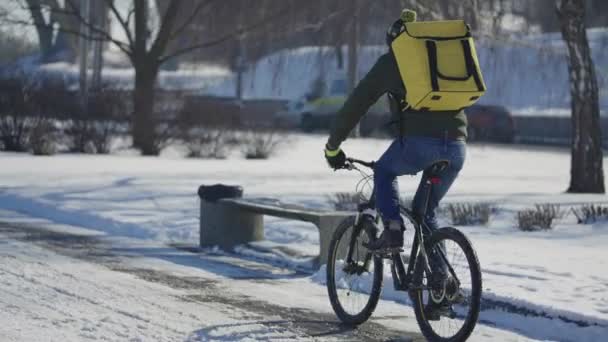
pixel 437 168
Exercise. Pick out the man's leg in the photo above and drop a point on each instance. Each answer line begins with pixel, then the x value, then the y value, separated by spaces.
pixel 438 192
pixel 455 155
pixel 396 161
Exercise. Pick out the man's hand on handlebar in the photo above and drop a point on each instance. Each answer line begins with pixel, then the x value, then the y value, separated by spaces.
pixel 335 157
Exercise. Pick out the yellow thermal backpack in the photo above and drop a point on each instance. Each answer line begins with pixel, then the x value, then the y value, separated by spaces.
pixel 438 65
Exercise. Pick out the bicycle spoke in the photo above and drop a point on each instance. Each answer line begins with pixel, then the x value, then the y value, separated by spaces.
pixel 353 288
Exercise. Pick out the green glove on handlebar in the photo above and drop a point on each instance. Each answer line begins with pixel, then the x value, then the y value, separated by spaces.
pixel 335 157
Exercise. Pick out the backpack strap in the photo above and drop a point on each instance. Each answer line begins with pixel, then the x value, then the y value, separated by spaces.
pixel 402 106
pixel 431 48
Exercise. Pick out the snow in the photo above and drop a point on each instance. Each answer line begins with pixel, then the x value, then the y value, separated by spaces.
pixel 558 276
pixel 46 296
pixel 144 291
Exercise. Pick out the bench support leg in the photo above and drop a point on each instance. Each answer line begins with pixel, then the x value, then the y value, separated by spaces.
pixel 226 226
pixel 326 224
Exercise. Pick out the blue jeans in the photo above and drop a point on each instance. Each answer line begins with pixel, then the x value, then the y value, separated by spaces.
pixel 408 156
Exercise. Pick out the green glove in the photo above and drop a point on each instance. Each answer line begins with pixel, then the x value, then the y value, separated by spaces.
pixel 335 157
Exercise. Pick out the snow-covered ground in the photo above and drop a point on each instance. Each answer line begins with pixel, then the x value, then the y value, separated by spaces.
pixel 65 283
pixel 558 278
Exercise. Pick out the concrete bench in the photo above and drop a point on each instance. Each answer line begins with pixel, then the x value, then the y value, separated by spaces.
pixel 228 222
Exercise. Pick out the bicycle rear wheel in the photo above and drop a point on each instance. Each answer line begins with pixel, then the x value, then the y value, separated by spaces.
pixel 354 275
pixel 453 290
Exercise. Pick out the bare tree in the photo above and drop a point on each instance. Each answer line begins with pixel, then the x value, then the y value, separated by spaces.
pixel 586 172
pixel 46 24
pixel 147 50
pixel 353 50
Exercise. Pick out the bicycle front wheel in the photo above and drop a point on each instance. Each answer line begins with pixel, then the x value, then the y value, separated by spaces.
pixel 354 275
pixel 448 301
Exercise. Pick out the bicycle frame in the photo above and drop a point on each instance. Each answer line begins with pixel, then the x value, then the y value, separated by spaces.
pixel 402 278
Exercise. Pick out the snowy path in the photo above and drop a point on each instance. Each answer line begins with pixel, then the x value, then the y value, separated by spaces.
pixel 63 287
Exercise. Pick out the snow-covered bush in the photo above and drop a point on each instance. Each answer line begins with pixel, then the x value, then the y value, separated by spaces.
pixel 208 127
pixel 347 201
pixel 92 136
pixel 43 138
pixel 262 143
pixel 466 214
pixel 92 129
pixel 590 213
pixel 15 124
pixel 208 143
pixel 542 217
pixel 14 133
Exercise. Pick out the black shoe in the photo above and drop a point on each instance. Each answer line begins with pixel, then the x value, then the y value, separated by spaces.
pixel 434 311
pixel 390 239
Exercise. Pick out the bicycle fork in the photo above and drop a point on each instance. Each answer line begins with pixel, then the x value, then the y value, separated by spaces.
pixel 361 224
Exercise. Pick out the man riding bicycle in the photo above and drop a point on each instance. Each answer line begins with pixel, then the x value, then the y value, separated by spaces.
pixel 425 137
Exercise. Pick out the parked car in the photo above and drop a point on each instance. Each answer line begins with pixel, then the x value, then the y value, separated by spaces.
pixel 312 113
pixel 490 123
pixel 486 123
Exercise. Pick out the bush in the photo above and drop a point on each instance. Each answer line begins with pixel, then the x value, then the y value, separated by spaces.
pixel 165 134
pixel 15 124
pixel 14 133
pixel 590 213
pixel 540 218
pixel 43 138
pixel 208 143
pixel 27 106
pixel 261 143
pixel 102 133
pixel 92 136
pixel 92 129
pixel 466 214
pixel 345 201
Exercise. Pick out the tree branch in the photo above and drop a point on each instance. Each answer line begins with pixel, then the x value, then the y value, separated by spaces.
pixel 164 33
pixel 130 15
pixel 127 49
pixel 123 46
pixel 238 33
pixel 187 22
pixel 123 23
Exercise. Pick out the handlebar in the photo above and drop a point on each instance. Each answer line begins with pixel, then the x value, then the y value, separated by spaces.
pixel 351 161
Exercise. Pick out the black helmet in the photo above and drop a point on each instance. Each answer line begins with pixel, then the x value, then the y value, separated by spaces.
pixel 407 16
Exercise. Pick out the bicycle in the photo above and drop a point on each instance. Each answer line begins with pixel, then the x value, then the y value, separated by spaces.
pixel 441 273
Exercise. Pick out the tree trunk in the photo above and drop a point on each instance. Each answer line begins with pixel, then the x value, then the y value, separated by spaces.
pixel 44 30
pixel 144 121
pixel 339 56
pixel 353 52
pixel 586 173
pixel 100 16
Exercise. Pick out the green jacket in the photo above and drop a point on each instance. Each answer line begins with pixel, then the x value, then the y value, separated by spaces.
pixel 384 78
